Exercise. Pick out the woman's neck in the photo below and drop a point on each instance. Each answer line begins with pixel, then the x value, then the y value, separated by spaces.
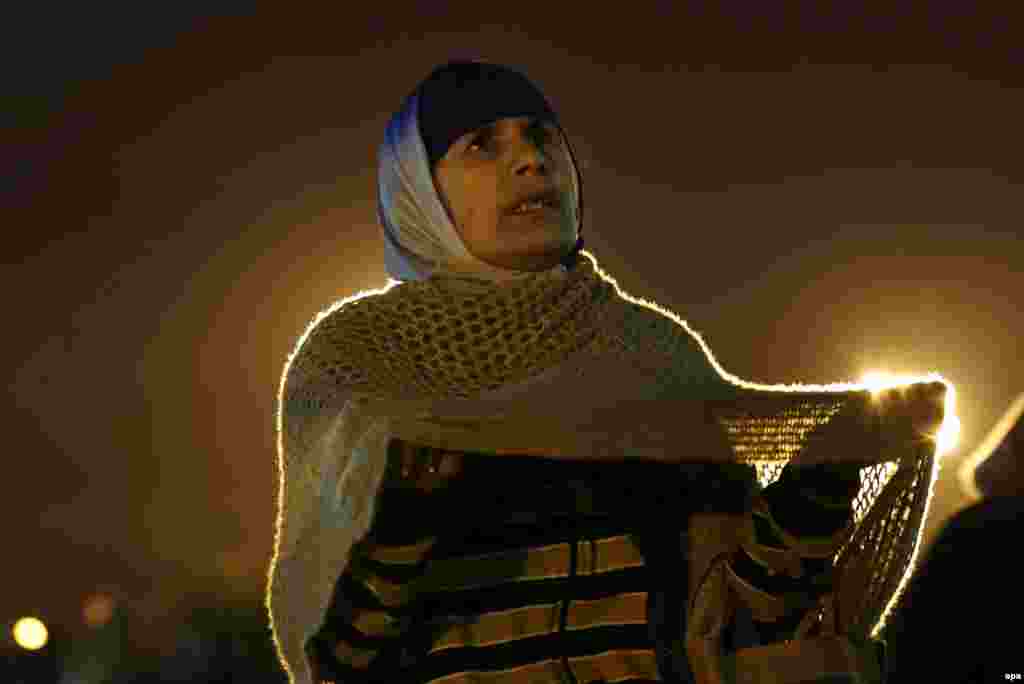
pixel 482 276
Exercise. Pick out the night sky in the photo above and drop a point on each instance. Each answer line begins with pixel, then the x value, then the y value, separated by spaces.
pixel 817 195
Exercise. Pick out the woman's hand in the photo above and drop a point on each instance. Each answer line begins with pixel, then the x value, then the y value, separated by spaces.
pixel 420 467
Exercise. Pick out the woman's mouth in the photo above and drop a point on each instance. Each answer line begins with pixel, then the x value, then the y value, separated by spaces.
pixel 544 203
pixel 535 206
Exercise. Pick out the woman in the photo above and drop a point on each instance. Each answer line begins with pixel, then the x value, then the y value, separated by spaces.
pixel 480 478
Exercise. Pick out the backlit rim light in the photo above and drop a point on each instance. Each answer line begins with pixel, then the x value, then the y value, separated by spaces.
pixel 946 438
pixel 875 381
pixel 948 435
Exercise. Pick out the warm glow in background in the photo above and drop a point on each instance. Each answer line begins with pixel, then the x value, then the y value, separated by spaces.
pixel 824 198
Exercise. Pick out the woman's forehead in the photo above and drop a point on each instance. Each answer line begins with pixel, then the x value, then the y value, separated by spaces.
pixel 515 122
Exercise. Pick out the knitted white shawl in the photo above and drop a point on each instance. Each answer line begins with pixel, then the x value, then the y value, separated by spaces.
pixel 558 365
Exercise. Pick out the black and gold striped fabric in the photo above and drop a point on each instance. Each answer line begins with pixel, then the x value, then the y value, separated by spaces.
pixel 496 570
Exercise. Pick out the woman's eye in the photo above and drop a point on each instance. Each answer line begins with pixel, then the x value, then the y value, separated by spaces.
pixel 479 141
pixel 541 136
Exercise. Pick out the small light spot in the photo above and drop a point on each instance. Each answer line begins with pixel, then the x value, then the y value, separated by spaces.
pixel 30 633
pixel 98 610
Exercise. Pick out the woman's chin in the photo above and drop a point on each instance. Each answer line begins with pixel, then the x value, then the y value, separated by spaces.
pixel 533 260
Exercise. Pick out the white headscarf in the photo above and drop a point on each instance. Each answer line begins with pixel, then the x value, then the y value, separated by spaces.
pixel 419 238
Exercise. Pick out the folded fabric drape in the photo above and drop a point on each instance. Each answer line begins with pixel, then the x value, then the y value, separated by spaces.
pixel 456 364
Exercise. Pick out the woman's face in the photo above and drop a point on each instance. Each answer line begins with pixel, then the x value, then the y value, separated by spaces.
pixel 487 173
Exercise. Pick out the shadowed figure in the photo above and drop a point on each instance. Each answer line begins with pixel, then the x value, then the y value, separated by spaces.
pixel 959 618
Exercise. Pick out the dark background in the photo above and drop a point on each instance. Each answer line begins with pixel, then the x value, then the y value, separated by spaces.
pixel 819 192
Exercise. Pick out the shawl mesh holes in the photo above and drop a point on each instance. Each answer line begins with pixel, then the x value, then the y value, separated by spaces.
pixel 424 319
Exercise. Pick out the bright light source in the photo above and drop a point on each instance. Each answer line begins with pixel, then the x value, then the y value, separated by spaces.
pixel 877 381
pixel 30 633
pixel 948 435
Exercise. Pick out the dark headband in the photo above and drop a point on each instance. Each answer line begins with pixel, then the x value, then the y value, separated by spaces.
pixel 461 96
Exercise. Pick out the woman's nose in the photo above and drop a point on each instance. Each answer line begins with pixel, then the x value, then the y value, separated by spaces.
pixel 531 159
